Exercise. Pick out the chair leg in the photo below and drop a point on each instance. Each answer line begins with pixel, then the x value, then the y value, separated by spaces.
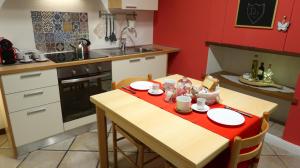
pixel 140 160
pixel 167 164
pixel 115 145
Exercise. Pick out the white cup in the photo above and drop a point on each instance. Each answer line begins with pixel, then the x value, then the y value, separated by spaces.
pixel 42 57
pixel 169 84
pixel 26 57
pixel 183 103
pixel 155 87
pixel 201 103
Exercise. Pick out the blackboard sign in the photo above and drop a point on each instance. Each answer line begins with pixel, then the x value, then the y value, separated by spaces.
pixel 256 13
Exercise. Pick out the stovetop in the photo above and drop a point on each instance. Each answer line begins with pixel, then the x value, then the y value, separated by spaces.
pixel 71 56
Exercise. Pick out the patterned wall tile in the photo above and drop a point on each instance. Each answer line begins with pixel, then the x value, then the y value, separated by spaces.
pixel 55 31
pixel 83 17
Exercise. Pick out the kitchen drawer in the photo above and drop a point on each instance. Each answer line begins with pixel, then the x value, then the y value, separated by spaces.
pixel 29 80
pixel 27 99
pixel 36 123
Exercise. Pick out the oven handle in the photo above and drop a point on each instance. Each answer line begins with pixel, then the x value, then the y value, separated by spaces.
pixel 76 80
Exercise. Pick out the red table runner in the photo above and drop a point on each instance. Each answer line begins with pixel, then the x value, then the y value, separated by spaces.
pixel 249 128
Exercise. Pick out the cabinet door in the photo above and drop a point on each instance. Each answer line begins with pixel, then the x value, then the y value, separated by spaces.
pixel 292 126
pixel 216 20
pixel 293 35
pixel 156 65
pixel 36 123
pixel 140 4
pixel 255 37
pixel 123 69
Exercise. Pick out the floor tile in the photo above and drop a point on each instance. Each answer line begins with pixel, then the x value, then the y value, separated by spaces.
pixel 124 144
pixel 64 145
pixel 276 129
pixel 279 150
pixel 123 163
pixel 87 141
pixel 7 160
pixel 75 159
pixel 43 159
pixel 291 161
pixel 266 150
pixel 270 162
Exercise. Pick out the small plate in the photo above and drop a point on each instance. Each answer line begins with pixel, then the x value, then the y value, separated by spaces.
pixel 141 85
pixel 156 93
pixel 26 61
pixel 195 108
pixel 42 60
pixel 183 112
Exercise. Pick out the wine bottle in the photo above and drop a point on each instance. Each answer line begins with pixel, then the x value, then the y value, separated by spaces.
pixel 254 68
pixel 261 71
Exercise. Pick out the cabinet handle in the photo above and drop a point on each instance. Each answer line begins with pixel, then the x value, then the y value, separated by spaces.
pixel 149 58
pixel 30 75
pixel 36 111
pixel 134 60
pixel 33 94
pixel 131 7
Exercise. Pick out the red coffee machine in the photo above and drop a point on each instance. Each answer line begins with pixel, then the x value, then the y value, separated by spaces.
pixel 7 52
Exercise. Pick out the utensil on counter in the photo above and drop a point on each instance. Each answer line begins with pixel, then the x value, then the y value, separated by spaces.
pixel 106 28
pixel 110 30
pixel 113 35
pixel 243 113
pixel 131 91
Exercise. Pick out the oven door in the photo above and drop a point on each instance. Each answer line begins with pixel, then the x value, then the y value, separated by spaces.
pixel 75 95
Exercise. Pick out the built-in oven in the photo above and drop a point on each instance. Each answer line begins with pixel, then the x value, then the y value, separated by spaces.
pixel 76 85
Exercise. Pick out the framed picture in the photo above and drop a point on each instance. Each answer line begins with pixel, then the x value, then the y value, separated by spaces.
pixel 256 13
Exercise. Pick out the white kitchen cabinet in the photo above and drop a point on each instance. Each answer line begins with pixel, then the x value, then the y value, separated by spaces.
pixel 33 104
pixel 29 80
pixel 32 98
pixel 36 123
pixel 155 65
pixel 133 4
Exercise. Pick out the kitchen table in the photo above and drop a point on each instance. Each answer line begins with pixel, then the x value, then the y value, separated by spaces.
pixel 179 141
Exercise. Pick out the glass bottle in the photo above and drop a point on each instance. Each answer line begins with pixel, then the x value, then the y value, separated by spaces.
pixel 254 68
pixel 261 71
pixel 268 74
pixel 184 87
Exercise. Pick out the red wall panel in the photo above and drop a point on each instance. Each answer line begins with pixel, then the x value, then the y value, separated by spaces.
pixel 292 126
pixel 184 24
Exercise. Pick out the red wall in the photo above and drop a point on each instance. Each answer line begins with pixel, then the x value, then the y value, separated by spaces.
pixel 183 24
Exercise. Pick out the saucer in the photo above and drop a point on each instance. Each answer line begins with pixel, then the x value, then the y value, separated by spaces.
pixel 156 93
pixel 195 108
pixel 183 112
pixel 41 60
pixel 26 61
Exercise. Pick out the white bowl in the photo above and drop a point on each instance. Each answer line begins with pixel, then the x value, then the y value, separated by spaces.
pixel 211 97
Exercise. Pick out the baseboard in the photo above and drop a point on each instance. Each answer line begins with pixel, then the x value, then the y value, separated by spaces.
pixel 2 131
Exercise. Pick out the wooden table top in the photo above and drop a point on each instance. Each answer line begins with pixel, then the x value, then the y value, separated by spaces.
pixel 178 140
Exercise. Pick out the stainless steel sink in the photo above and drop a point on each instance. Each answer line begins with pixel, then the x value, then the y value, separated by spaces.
pixel 128 51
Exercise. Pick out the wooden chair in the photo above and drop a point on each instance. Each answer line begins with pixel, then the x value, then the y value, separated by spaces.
pixel 139 161
pixel 255 141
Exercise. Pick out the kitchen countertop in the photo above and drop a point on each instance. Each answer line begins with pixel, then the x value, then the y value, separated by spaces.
pixel 18 68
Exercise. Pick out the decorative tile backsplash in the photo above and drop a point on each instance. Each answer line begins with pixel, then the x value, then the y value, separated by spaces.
pixel 55 31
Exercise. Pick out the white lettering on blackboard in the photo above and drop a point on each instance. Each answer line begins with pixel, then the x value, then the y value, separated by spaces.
pixel 255 12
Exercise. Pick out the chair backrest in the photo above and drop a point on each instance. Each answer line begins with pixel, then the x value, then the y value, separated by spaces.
pixel 255 141
pixel 127 81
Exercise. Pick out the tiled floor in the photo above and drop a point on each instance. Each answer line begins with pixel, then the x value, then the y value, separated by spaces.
pixel 82 152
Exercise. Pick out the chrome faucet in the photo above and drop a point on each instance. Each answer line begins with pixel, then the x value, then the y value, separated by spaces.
pixel 123 40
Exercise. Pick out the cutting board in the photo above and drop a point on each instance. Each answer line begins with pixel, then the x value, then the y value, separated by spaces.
pixel 260 83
